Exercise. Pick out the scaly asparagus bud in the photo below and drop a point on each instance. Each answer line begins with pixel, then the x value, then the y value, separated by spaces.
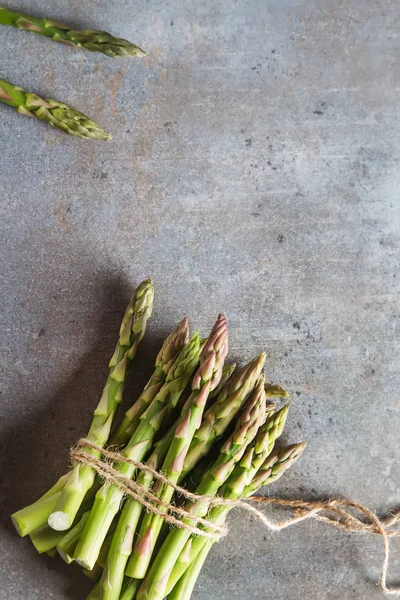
pixel 53 112
pixel 95 41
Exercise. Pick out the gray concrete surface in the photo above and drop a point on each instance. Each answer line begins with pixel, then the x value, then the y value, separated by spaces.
pixel 254 169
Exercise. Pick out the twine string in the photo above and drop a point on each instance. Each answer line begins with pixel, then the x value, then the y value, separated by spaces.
pixel 334 512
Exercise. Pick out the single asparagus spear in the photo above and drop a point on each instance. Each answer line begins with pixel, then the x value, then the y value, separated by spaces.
pixel 46 538
pixel 132 330
pixel 249 421
pixel 169 351
pixel 31 517
pixel 53 112
pixel 95 41
pixel 108 498
pixel 243 473
pixel 205 379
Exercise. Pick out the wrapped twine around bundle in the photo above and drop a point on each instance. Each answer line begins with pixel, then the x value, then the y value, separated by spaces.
pixel 341 513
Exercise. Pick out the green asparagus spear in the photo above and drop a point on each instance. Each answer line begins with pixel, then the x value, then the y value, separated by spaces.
pixel 53 112
pixel 155 583
pixel 206 379
pixel 132 330
pixel 108 498
pixel 95 41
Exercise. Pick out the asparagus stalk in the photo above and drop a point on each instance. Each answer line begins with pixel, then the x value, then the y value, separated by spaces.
pixel 108 498
pixel 169 351
pixel 132 330
pixel 249 421
pixel 53 112
pixel 205 379
pixel 35 515
pixel 46 538
pixel 95 41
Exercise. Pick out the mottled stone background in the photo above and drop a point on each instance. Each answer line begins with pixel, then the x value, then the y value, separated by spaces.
pixel 254 169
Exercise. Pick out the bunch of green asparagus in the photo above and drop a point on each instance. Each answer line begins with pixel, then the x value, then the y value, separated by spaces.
pixel 203 424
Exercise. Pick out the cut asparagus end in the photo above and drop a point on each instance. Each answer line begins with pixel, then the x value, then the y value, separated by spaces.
pixel 59 521
pixel 19 525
